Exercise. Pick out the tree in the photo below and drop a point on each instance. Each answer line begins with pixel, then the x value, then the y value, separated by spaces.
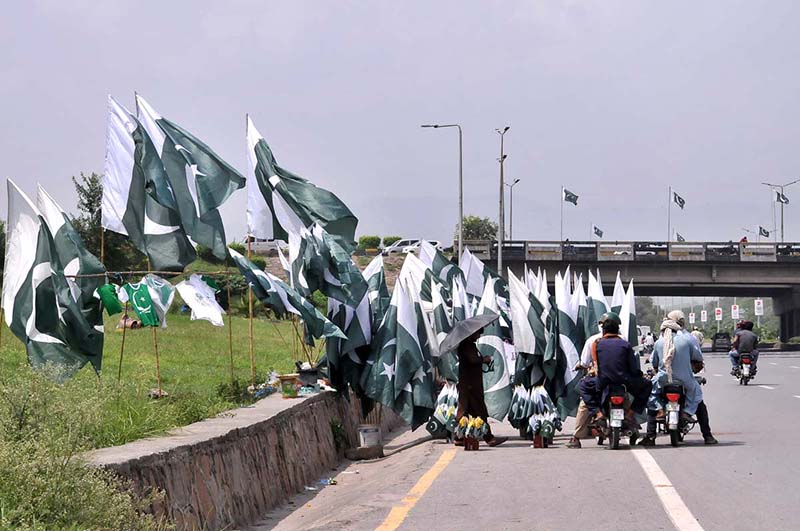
pixel 476 228
pixel 119 252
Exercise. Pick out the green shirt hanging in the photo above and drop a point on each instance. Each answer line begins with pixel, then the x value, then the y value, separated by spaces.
pixel 139 297
pixel 107 293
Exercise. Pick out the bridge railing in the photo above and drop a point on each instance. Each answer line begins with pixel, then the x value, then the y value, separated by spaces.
pixel 652 251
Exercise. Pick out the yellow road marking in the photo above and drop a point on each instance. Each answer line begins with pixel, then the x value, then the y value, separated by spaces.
pixel 399 512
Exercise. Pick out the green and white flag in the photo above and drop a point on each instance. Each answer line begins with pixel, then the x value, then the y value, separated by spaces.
pixel 618 296
pixel 37 300
pixel 596 305
pixel 442 324
pixel 474 274
pixel 76 259
pixel 138 294
pixel 496 383
pixel 200 180
pixel 442 268
pixel 162 294
pixel 137 197
pixel 280 203
pixel 628 317
pixel 377 290
pixel 571 345
pixel 282 298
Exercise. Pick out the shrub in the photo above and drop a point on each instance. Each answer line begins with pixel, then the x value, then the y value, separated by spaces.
pixel 238 247
pixel 259 262
pixel 205 253
pixel 388 240
pixel 369 242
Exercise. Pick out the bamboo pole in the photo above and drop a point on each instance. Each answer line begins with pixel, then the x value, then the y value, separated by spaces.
pixel 102 245
pixel 1 326
pixel 158 363
pixel 250 305
pixel 122 347
pixel 230 329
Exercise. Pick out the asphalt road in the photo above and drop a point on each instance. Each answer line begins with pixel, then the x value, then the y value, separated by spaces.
pixel 751 480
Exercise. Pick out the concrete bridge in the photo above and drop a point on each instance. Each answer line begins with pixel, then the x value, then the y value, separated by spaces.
pixel 672 268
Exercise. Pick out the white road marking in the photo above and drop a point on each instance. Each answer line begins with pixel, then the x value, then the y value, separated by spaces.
pixel 797 396
pixel 682 518
pixel 717 375
pixel 794 367
pixel 772 363
pixel 766 387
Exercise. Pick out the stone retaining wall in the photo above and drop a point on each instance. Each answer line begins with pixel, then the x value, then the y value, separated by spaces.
pixel 230 470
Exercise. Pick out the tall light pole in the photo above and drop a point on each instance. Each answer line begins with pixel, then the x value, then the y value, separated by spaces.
pixel 501 218
pixel 511 208
pixel 460 184
pixel 781 187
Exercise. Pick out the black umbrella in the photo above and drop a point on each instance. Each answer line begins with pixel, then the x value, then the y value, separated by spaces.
pixel 463 329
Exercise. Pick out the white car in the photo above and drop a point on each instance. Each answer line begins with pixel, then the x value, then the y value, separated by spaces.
pixel 414 248
pixel 398 246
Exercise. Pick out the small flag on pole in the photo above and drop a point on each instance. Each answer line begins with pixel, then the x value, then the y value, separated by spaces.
pixel 680 238
pixel 678 200
pixel 781 198
pixel 597 231
pixel 763 232
pixel 569 197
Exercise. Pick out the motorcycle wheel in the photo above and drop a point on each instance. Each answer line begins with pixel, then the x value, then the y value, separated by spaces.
pixel 741 381
pixel 600 440
pixel 674 437
pixel 746 380
pixel 613 442
pixel 633 440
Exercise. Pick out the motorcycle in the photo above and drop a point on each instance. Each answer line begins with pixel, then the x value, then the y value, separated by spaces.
pixel 672 422
pixel 614 424
pixel 745 371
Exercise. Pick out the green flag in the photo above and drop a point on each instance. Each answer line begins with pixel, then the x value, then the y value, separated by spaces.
pixel 280 203
pixel 201 181
pixel 497 382
pixel 137 197
pixel 38 302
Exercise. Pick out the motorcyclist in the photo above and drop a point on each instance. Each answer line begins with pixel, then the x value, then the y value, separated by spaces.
pixel 698 336
pixel 744 342
pixel 616 364
pixel 672 357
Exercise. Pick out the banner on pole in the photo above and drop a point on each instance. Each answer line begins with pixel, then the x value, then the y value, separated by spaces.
pixel 759 307
pixel 703 316
pixel 734 311
pixel 691 318
pixel 718 314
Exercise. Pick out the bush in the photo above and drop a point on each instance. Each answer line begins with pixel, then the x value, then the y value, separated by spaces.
pixel 369 242
pixel 238 247
pixel 259 262
pixel 205 253
pixel 388 240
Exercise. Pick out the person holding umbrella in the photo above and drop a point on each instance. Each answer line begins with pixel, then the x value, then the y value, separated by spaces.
pixel 462 339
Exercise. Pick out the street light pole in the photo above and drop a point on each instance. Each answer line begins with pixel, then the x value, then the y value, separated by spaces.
pixel 511 208
pixel 501 218
pixel 460 184
pixel 781 186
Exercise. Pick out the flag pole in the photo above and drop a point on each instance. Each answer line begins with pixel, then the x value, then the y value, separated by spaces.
pixel 122 347
pixel 230 328
pixel 155 347
pixel 562 214
pixel 250 305
pixel 669 214
pixel 1 326
pixel 102 245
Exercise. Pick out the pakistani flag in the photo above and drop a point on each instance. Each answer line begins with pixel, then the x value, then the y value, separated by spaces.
pixel 678 200
pixel 77 260
pixel 781 198
pixel 442 324
pixel 596 305
pixel 571 343
pixel 444 269
pixel 496 383
pixel 618 296
pixel 597 231
pixel 280 203
pixel 200 180
pixel 281 298
pixel 679 237
pixel 628 317
pixel 474 275
pixel 569 197
pixel 530 334
pixel 37 300
pixel 377 290
pixel 137 197
pixel 763 232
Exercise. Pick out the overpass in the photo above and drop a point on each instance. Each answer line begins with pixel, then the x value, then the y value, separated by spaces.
pixel 671 268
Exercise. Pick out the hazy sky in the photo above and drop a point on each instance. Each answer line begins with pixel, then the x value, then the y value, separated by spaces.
pixel 614 99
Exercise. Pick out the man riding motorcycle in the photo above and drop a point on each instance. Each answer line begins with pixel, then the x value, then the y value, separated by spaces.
pixel 616 364
pixel 744 342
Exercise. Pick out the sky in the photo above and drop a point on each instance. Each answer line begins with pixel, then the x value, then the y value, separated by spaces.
pixel 616 100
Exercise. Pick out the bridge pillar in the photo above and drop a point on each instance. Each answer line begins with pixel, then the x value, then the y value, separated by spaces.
pixel 788 308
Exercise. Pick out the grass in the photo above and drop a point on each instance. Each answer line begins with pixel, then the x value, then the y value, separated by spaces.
pixel 195 362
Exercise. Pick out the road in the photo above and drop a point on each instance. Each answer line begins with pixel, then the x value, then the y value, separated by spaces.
pixel 749 481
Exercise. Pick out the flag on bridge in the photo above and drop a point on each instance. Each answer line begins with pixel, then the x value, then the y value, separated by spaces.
pixel 781 198
pixel 200 180
pixel 763 232
pixel 597 231
pixel 679 237
pixel 681 202
pixel 569 197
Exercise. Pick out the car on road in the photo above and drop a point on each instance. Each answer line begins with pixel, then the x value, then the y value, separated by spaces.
pixel 398 246
pixel 414 248
pixel 721 342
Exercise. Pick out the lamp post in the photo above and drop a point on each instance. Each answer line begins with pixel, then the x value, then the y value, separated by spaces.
pixel 501 218
pixel 511 208
pixel 460 184
pixel 781 187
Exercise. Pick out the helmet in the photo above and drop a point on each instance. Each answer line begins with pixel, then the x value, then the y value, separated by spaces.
pixel 610 317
